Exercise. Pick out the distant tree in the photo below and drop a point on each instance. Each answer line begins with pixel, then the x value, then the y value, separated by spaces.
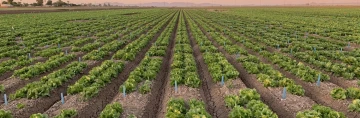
pixel 49 2
pixel 59 3
pixel 40 2
pixel 4 2
pixel 100 5
pixel 26 4
pixel 109 4
pixel 17 4
pixel 105 5
pixel 10 1
pixel 34 4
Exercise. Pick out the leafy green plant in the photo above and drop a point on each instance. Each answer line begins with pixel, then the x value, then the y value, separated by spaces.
pixel 197 110
pixel 296 90
pixel 113 110
pixel 67 113
pixel 20 106
pixel 240 112
pixel 246 95
pixel 132 116
pixel 308 114
pixel 318 111
pixel 338 93
pixel 259 109
pixel 327 112
pixel 145 88
pixel 355 105
pixel 5 114
pixel 175 108
pixel 232 100
pixel 2 89
pixel 353 93
pixel 39 115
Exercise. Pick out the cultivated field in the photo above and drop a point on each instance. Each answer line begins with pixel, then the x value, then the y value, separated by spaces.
pixel 181 63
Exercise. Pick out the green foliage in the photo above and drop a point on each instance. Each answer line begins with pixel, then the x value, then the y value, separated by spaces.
pixel 145 88
pixel 132 116
pixel 355 105
pixel 89 85
pixel 246 95
pixel 175 108
pixel 259 109
pixel 146 71
pixel 197 110
pixel 20 106
pixel 319 111
pixel 353 93
pixel 338 93
pixel 249 99
pixel 308 114
pixel 47 83
pixel 240 112
pixel 67 113
pixel 113 110
pixel 39 115
pixel 2 89
pixel 5 114
pixel 39 68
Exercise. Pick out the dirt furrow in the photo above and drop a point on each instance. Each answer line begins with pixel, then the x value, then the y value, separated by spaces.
pixel 212 97
pixel 157 91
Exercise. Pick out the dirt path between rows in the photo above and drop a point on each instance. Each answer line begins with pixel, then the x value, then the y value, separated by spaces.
pixel 158 89
pixel 212 94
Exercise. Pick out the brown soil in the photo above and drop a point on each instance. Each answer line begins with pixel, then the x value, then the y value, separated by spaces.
pixel 94 106
pixel 283 109
pixel 133 104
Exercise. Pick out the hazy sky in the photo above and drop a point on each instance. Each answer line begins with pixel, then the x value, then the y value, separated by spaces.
pixel 224 2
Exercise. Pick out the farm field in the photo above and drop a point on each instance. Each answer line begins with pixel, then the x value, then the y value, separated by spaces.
pixel 300 62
